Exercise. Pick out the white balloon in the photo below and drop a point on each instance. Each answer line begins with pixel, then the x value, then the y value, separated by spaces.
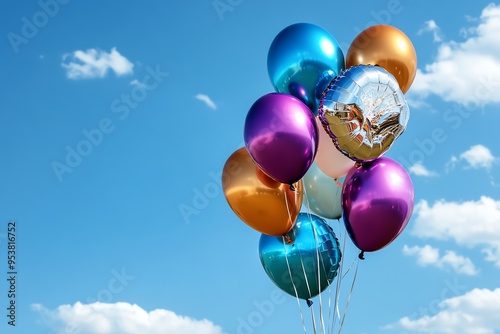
pixel 322 194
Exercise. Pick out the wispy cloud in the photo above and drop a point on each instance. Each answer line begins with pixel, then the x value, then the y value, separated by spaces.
pixel 476 157
pixel 207 100
pixel 420 170
pixel 137 83
pixel 94 63
pixel 450 165
pixel 430 256
pixel 473 312
pixel 478 53
pixel 470 224
pixel 432 27
pixel 121 318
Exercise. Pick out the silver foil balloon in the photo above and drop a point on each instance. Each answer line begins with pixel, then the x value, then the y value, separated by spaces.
pixel 364 111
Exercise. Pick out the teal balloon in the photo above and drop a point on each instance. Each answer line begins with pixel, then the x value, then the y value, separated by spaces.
pixel 302 60
pixel 297 253
pixel 322 195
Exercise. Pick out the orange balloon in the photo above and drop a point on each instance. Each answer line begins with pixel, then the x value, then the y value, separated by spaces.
pixel 388 47
pixel 264 204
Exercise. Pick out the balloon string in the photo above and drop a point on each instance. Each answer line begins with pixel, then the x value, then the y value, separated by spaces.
pixel 307 280
pixel 330 313
pixel 345 274
pixel 339 203
pixel 322 320
pixel 313 319
pixel 290 272
pixel 349 298
pixel 307 285
pixel 302 264
pixel 329 308
pixel 339 280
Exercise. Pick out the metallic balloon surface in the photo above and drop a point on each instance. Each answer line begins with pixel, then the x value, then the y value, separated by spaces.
pixel 281 136
pixel 388 47
pixel 302 60
pixel 364 112
pixel 322 195
pixel 377 203
pixel 328 158
pixel 266 205
pixel 310 236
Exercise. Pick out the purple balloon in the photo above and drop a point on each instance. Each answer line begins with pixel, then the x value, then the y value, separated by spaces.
pixel 281 136
pixel 377 202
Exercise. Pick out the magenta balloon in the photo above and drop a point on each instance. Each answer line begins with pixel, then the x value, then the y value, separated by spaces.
pixel 281 136
pixel 377 202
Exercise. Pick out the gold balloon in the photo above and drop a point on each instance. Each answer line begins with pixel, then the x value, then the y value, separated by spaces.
pixel 264 204
pixel 388 47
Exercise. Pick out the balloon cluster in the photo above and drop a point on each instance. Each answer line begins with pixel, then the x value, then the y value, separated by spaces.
pixel 330 117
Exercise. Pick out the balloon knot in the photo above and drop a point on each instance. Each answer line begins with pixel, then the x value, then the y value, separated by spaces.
pixel 309 302
pixel 288 240
pixel 337 182
pixel 292 188
pixel 362 255
pixel 358 164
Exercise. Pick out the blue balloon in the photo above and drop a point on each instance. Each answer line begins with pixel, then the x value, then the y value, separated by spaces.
pixel 302 60
pixel 297 253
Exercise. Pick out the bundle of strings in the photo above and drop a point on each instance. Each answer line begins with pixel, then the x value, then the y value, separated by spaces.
pixel 333 310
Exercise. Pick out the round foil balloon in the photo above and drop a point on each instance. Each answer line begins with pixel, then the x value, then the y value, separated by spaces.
pixel 377 203
pixel 311 241
pixel 364 111
pixel 264 204
pixel 281 136
pixel 385 46
pixel 302 60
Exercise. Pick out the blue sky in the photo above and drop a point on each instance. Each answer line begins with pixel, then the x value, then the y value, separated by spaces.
pixel 154 96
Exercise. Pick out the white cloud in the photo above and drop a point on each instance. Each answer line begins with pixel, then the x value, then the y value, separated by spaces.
pixel 95 64
pixel 470 224
pixel 420 170
pixel 121 318
pixel 431 26
pixel 475 312
pixel 207 100
pixel 425 255
pixel 429 256
pixel 466 71
pixel 478 156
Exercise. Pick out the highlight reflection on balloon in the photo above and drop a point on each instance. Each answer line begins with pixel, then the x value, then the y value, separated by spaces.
pixel 377 203
pixel 311 236
pixel 364 111
pixel 302 59
pixel 388 47
pixel 262 203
